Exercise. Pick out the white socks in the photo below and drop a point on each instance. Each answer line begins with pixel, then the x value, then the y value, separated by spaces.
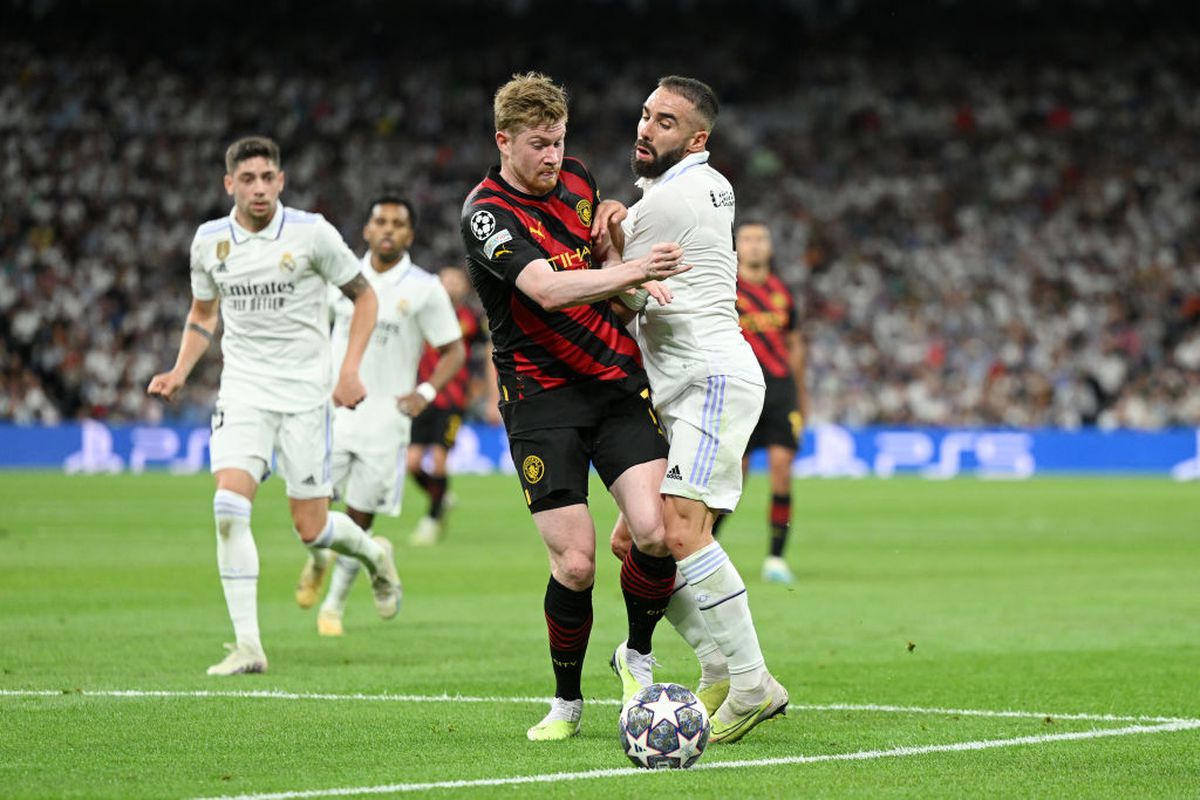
pixel 237 562
pixel 684 615
pixel 721 596
pixel 342 535
pixel 345 570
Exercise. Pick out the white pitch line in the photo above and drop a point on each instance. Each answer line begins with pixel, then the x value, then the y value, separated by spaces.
pixel 862 755
pixel 972 712
pixel 276 694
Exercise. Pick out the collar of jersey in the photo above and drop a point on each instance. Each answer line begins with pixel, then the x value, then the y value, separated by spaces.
pixel 394 275
pixel 271 232
pixel 494 174
pixel 686 163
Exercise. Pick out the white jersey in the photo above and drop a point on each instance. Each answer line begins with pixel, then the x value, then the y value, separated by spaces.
pixel 697 334
pixel 274 304
pixel 414 308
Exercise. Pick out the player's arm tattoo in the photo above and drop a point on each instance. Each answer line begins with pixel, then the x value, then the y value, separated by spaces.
pixel 200 329
pixel 354 287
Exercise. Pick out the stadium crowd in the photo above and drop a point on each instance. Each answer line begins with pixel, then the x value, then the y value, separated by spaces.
pixel 1000 239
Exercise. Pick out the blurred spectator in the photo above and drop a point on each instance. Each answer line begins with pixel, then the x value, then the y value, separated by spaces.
pixel 975 237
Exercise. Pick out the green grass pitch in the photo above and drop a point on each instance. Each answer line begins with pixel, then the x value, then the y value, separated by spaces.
pixel 922 610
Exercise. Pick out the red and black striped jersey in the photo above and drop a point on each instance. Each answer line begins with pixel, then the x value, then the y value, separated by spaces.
pixel 453 394
pixel 767 314
pixel 535 350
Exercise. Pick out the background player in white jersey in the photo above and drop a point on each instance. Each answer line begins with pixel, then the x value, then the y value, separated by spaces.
pixel 265 269
pixel 435 430
pixel 709 392
pixel 370 441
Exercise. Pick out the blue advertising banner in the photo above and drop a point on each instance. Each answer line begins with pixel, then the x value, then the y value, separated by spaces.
pixel 829 451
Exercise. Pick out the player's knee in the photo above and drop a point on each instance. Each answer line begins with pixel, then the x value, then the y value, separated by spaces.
pixel 685 537
pixel 308 526
pixel 620 540
pixel 305 534
pixel 362 519
pixel 620 543
pixel 645 527
pixel 575 570
pixel 651 540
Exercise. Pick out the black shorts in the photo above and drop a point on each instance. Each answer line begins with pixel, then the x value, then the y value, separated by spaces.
pixel 613 428
pixel 780 421
pixel 437 426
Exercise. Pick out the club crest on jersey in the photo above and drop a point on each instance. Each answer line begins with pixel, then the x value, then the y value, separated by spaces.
pixel 402 306
pixel 222 250
pixel 779 299
pixel 533 469
pixel 584 209
pixel 287 263
pixel 482 224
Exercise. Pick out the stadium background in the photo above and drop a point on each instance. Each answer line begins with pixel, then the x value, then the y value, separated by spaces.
pixel 987 211
pixel 944 639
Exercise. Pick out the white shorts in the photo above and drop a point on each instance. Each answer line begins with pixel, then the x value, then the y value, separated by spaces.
pixel 369 447
pixel 708 425
pixel 369 480
pixel 249 439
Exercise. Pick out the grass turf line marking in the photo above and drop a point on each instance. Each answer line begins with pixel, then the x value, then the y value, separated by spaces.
pixel 862 755
pixel 276 694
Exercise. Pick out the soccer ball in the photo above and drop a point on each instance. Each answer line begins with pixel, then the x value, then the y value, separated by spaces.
pixel 664 726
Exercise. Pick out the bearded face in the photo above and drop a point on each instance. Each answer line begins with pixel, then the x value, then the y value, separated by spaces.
pixel 647 162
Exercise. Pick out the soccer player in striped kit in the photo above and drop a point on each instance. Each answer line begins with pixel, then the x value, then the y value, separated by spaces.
pixel 573 393
pixel 769 322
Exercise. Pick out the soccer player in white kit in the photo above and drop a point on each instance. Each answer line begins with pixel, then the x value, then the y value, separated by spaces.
pixel 708 388
pixel 370 441
pixel 264 269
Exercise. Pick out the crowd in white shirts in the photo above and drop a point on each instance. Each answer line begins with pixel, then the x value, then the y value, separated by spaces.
pixel 982 237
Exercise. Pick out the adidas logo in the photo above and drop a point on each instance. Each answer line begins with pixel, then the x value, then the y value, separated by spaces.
pixel 675 474
pixel 309 481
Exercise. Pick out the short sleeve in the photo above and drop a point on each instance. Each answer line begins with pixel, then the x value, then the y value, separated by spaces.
pixel 437 320
pixel 332 257
pixel 203 285
pixel 497 241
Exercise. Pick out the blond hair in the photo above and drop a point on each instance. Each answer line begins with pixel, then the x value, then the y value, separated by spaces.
pixel 531 100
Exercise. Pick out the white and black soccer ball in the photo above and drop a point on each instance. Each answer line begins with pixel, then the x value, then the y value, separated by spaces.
pixel 482 224
pixel 664 726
